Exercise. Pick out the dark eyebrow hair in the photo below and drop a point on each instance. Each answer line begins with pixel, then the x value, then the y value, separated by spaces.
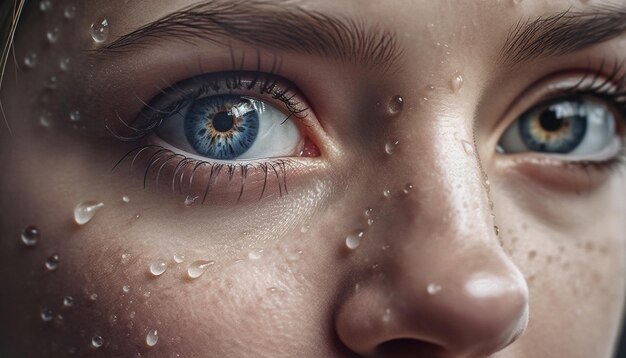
pixel 273 26
pixel 563 33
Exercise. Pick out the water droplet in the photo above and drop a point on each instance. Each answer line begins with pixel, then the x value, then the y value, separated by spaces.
pixel 75 115
pixel 395 105
pixel 126 288
pixel 100 30
pixel 64 64
pixel 93 297
pixel 158 267
pixel 179 258
pixel 368 212
pixel 496 229
pixel 69 12
pixel 197 268
pixel 467 147
pixel 304 228
pixel 97 341
pixel 52 262
pixel 354 240
pixel 30 60
pixel 68 301
pixel 456 82
pixel 45 5
pixel 408 188
pixel 255 255
pixel 386 193
pixel 85 211
pixel 53 35
pixel 385 247
pixel 191 200
pixel 433 288
pixel 30 236
pixel 44 120
pixel 272 289
pixel 46 314
pixel 370 222
pixel 390 146
pixel 50 82
pixel 126 199
pixel 152 338
pixel 387 315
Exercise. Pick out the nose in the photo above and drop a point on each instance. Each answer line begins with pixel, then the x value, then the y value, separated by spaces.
pixel 444 287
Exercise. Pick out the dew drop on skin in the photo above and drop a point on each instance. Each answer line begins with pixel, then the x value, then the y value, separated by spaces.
pixel 456 82
pixel 99 30
pixel 152 338
pixel 68 301
pixel 386 193
pixel 158 267
pixel 52 262
pixel 390 146
pixel 64 64
pixel 179 258
pixel 30 236
pixel 97 341
pixel 30 60
pixel 85 211
pixel 45 5
pixel 53 35
pixel 433 289
pixel 353 241
pixel 46 314
pixel 395 106
pixel 69 12
pixel 198 268
pixel 75 115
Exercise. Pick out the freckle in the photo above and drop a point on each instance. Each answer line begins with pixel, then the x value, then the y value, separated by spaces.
pixel 532 254
pixel 589 246
pixel 565 265
pixel 549 259
pixel 530 279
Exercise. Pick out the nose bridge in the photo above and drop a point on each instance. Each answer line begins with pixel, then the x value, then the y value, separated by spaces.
pixel 447 280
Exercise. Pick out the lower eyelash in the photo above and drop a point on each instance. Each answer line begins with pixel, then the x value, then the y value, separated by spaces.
pixel 183 172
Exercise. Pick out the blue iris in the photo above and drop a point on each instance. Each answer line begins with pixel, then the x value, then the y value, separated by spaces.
pixel 222 127
pixel 557 127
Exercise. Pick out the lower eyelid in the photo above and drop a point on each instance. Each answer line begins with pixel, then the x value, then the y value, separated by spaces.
pixel 557 175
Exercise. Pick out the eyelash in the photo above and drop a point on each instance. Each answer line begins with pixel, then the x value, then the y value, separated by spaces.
pixel 267 83
pixel 278 168
pixel 262 83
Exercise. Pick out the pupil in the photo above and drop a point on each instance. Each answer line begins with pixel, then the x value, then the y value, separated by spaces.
pixel 223 122
pixel 549 121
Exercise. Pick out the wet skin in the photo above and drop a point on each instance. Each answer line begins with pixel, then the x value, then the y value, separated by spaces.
pixel 485 254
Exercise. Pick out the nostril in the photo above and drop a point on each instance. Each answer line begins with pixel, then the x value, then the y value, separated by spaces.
pixel 407 347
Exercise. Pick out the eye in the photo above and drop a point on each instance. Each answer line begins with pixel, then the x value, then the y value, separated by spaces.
pixel 577 127
pixel 230 127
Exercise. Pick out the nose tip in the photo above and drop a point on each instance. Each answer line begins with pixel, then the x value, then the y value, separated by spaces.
pixel 472 317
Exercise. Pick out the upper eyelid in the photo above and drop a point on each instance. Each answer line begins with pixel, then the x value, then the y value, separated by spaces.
pixel 196 87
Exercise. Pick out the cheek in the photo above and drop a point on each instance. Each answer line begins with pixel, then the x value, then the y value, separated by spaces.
pixel 579 274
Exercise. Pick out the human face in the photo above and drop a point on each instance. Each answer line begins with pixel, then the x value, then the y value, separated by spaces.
pixel 421 199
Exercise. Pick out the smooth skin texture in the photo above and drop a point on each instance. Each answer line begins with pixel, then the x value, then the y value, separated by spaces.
pixel 486 255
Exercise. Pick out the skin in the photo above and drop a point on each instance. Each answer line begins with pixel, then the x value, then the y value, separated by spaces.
pixel 540 275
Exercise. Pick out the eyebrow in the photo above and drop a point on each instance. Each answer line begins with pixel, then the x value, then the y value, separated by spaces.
pixel 563 33
pixel 271 25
